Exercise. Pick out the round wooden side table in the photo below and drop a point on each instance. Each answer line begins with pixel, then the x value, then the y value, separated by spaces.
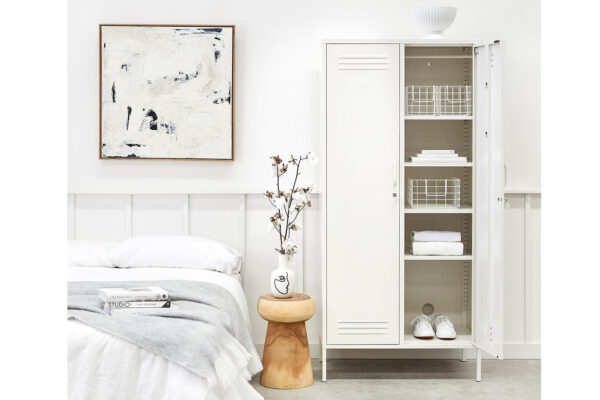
pixel 286 357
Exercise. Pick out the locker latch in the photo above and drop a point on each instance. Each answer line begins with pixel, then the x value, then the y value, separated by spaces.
pixel 500 199
pixel 486 85
pixel 486 134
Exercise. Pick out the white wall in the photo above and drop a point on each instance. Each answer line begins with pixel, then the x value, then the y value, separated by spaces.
pixel 277 68
pixel 278 57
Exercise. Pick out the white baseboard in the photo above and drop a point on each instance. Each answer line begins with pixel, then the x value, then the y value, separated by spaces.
pixel 512 351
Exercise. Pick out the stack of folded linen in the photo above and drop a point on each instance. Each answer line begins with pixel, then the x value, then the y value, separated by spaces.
pixel 437 243
pixel 437 156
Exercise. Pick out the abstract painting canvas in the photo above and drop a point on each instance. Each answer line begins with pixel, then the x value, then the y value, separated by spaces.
pixel 166 92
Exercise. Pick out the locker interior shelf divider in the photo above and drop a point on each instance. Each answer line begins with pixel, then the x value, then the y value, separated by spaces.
pixel 439 117
pixel 445 164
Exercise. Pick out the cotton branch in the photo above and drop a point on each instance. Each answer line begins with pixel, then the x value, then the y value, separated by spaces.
pixel 283 204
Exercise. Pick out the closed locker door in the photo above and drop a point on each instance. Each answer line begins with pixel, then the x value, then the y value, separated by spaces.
pixel 362 221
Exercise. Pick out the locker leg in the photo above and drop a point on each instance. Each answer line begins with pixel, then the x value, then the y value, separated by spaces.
pixel 478 377
pixel 463 355
pixel 321 353
pixel 324 364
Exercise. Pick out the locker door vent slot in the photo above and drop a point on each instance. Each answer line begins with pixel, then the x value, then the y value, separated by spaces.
pixel 362 328
pixel 367 62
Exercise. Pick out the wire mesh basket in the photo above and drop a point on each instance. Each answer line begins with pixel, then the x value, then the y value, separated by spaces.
pixel 433 192
pixel 421 100
pixel 439 100
pixel 456 100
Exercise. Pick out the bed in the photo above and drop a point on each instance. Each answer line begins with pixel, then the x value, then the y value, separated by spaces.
pixel 104 366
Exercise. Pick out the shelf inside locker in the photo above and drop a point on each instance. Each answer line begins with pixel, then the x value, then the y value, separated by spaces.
pixel 439 135
pixel 438 286
pixel 439 117
pixel 438 66
pixel 439 222
pixel 463 209
pixel 464 257
pixel 439 51
pixel 443 165
pixel 463 339
pixel 438 56
pixel 438 83
pixel 424 188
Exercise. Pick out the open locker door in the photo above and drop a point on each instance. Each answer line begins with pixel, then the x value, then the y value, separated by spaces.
pixel 489 191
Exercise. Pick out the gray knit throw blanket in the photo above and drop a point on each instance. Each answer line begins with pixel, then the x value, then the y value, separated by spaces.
pixel 204 332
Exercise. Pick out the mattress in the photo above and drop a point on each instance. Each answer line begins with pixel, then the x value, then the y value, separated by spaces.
pixel 102 366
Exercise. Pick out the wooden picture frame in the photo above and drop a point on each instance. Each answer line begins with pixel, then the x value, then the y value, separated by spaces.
pixel 223 37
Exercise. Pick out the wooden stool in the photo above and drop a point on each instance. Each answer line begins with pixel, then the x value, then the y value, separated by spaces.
pixel 286 357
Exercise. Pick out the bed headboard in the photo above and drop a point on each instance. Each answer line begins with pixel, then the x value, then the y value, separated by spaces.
pixel 116 217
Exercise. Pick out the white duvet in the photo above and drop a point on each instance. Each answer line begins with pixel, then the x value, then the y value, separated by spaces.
pixel 102 366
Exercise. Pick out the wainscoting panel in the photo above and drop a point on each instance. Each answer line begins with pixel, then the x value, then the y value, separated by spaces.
pixel 522 274
pixel 241 221
pixel 217 217
pixel 100 217
pixel 533 268
pixel 158 214
pixel 514 275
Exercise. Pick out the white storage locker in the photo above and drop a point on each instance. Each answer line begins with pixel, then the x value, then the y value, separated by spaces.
pixel 383 102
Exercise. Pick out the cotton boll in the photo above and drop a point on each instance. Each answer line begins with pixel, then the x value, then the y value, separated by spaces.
pixel 289 246
pixel 300 199
pixel 280 203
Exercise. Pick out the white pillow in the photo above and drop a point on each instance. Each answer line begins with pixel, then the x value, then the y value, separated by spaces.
pixel 87 253
pixel 176 252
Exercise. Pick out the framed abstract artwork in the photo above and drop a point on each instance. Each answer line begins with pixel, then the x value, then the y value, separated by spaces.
pixel 167 92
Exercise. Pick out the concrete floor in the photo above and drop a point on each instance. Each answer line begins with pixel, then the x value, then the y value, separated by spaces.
pixel 417 379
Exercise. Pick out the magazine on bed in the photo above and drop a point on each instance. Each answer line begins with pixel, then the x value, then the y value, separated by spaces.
pixel 137 304
pixel 143 300
pixel 146 293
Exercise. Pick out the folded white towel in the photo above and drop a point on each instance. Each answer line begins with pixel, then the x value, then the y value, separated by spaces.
pixel 433 155
pixel 436 236
pixel 437 151
pixel 437 248
pixel 456 160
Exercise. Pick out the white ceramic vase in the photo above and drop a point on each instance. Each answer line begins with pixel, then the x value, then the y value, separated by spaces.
pixel 435 20
pixel 283 279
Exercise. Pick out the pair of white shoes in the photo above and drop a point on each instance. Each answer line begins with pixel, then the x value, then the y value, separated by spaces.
pixel 440 327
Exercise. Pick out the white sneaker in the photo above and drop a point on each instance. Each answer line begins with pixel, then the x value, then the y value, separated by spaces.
pixel 443 328
pixel 422 327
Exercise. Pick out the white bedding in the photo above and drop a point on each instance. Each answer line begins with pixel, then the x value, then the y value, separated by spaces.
pixel 102 366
